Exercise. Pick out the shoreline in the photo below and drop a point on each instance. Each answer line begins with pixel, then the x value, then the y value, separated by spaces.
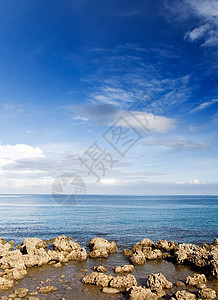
pixel 17 263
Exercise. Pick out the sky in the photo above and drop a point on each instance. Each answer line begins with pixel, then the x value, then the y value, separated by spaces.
pixel 121 93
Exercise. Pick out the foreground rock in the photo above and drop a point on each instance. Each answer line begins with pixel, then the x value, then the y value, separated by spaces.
pixel 141 293
pixel 108 290
pixel 124 269
pixel 47 289
pixel 101 247
pixel 103 280
pixel 183 295
pixel 207 294
pixel 98 279
pixel 196 279
pixel 101 269
pixel 204 257
pixel 158 280
pixel 138 258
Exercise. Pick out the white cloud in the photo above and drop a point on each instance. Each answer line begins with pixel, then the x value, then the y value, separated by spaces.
pixel 205 105
pixel 195 181
pixel 11 153
pixel 179 145
pixel 207 12
pixel 80 118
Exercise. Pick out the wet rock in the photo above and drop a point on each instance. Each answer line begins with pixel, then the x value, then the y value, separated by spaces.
pixel 47 289
pixel 141 293
pixel 2 241
pixel 207 294
pixel 103 253
pixel 56 256
pixel 108 290
pixel 215 242
pixel 124 269
pixel 127 252
pixel 196 279
pixel 204 257
pixel 21 292
pixel 183 295
pixel 98 279
pixel 153 254
pixel 146 243
pixel 165 246
pixel 180 284
pixel 30 244
pixel 138 258
pixel 63 243
pixel 57 265
pixel 101 269
pixel 18 274
pixel 78 255
pixel 158 280
pixel 34 293
pixel 103 244
pixel 5 283
pixel 123 282
pixel 33 298
pixel 201 286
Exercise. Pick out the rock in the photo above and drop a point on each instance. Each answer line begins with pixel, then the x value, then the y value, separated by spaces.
pixel 101 269
pixel 207 294
pixel 103 244
pixel 153 254
pixel 165 246
pixel 123 282
pixel 204 257
pixel 141 293
pixel 159 292
pixel 183 295
pixel 124 269
pixel 108 290
pixel 215 242
pixel 84 270
pixel 47 289
pixel 138 258
pixel 63 243
pixel 18 274
pixel 2 241
pixel 78 255
pixel 21 292
pixel 98 279
pixel 4 248
pixel 34 293
pixel 30 244
pixel 37 257
pixel 33 298
pixel 5 283
pixel 196 279
pixel 127 252
pixel 146 243
pixel 180 284
pixel 201 286
pixel 57 265
pixel 158 280
pixel 103 253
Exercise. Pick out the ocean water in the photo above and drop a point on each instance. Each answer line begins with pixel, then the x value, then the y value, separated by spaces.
pixel 125 219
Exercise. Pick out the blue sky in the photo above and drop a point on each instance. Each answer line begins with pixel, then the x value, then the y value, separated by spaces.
pixel 72 70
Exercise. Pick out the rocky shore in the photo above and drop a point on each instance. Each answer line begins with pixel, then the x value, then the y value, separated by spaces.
pixel 16 261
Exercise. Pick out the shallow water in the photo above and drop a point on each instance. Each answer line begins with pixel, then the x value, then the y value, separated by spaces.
pixel 74 289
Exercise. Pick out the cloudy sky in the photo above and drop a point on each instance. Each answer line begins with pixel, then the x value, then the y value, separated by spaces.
pixel 122 93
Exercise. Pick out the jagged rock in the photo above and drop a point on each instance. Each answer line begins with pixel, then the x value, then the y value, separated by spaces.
pixel 4 248
pixel 138 258
pixel 124 269
pixel 158 280
pixel 123 282
pixel 204 257
pixel 183 295
pixel 5 283
pixel 21 292
pixel 108 290
pixel 201 286
pixel 196 279
pixel 146 243
pixel 153 254
pixel 47 289
pixel 37 257
pixel 101 269
pixel 180 284
pixel 207 294
pixel 30 244
pixel 101 247
pixel 2 241
pixel 163 245
pixel 127 252
pixel 12 259
pixel 18 274
pixel 98 279
pixel 141 293
pixel 78 255
pixel 58 256
pixel 63 243
pixel 215 242
pixel 102 253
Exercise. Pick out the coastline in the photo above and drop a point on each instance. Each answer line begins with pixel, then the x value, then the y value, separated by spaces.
pixel 65 265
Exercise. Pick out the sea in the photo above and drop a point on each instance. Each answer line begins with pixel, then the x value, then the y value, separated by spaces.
pixel 124 219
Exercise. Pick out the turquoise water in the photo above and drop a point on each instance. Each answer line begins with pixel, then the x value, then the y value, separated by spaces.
pixel 125 219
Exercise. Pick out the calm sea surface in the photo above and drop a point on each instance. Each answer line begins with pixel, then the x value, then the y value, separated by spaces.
pixel 125 219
